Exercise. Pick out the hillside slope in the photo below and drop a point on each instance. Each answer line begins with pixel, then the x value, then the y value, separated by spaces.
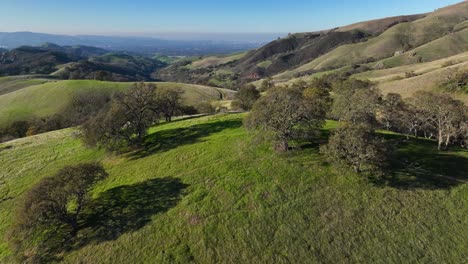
pixel 14 83
pixel 433 37
pixel 205 194
pixel 31 60
pixel 78 62
pixel 381 43
pixel 50 98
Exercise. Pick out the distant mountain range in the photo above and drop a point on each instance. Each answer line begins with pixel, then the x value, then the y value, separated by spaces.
pixel 142 45
pixel 78 62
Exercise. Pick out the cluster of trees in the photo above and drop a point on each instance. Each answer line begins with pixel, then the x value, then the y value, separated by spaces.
pixel 124 121
pixel 297 111
pixel 51 210
pixel 89 107
pixel 434 116
pixel 356 143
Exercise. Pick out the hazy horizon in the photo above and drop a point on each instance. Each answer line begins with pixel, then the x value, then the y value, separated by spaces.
pixel 259 20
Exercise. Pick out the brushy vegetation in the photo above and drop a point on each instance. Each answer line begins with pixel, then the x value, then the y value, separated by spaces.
pixel 201 192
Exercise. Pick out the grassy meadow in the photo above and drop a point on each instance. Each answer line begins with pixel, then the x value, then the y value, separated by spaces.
pixel 46 99
pixel 205 192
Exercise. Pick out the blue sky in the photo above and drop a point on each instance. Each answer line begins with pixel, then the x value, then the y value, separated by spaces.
pixel 146 17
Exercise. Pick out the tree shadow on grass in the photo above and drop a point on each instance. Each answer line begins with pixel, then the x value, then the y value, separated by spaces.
pixel 419 165
pixel 165 140
pixel 127 208
pixel 315 143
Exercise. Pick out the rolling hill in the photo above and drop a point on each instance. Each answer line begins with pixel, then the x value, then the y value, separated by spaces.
pixel 78 62
pixel 31 60
pixel 45 99
pixel 205 194
pixel 13 83
pixel 111 67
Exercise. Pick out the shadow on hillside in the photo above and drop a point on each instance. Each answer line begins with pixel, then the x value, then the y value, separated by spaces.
pixel 419 165
pixel 115 212
pixel 127 208
pixel 320 139
pixel 164 140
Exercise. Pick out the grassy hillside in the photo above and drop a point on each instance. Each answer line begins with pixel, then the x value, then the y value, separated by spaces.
pixel 14 83
pixel 378 26
pixel 381 43
pixel 428 81
pixel 204 194
pixel 215 60
pixel 51 97
pixel 441 23
pixel 420 68
pixel 444 47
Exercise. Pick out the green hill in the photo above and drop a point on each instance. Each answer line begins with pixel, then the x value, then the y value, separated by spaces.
pixel 111 67
pixel 51 97
pixel 14 83
pixel 205 194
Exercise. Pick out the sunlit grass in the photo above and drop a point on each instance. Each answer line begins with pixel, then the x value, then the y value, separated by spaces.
pixel 205 193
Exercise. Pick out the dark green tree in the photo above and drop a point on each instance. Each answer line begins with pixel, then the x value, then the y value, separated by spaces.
pixel 266 85
pixel 169 101
pixel 357 147
pixel 356 101
pixel 246 97
pixel 51 209
pixel 289 113
pixel 126 120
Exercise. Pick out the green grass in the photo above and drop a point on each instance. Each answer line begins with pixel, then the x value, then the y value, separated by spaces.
pixel 264 64
pixel 14 83
pixel 51 97
pixel 202 193
pixel 212 61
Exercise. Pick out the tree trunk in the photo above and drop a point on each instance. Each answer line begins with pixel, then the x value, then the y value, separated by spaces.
pixel 282 146
pixel 74 225
pixel 439 140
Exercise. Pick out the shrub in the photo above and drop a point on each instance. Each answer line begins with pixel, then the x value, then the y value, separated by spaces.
pixel 246 97
pixel 410 74
pixel 455 81
pixel 50 210
pixel 357 147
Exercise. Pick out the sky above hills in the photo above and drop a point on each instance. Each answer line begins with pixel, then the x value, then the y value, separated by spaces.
pixel 200 19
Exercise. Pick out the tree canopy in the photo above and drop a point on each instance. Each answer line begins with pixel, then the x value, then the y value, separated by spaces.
pixel 289 113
